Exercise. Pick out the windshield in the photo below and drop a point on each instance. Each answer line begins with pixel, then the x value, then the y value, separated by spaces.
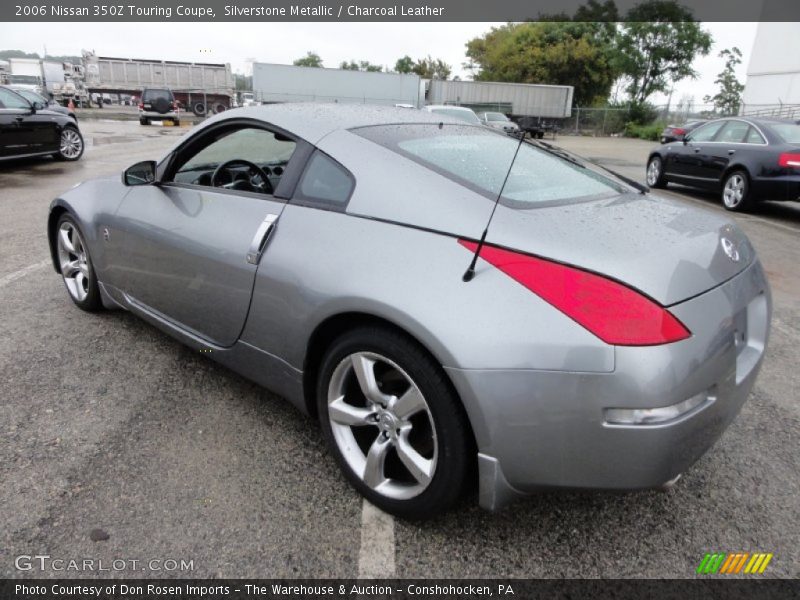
pixel 789 132
pixel 31 96
pixel 496 117
pixel 479 159
pixel 23 79
pixel 462 115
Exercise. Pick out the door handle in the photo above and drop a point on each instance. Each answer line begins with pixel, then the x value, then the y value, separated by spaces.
pixel 260 239
pixel 731 152
pixel 697 150
pixel 19 119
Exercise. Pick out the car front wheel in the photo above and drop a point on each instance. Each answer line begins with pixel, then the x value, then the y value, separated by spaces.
pixel 76 265
pixel 70 144
pixel 655 173
pixel 393 423
pixel 736 192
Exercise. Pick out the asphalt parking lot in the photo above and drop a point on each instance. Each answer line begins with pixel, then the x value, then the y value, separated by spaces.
pixel 108 424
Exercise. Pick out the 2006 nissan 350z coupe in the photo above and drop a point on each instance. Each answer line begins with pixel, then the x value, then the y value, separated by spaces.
pixel 605 339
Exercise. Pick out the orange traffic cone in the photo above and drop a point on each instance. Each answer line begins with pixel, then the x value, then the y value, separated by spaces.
pixel 71 104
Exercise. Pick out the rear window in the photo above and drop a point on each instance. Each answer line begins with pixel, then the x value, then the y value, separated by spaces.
pixel 153 95
pixel 788 132
pixel 479 160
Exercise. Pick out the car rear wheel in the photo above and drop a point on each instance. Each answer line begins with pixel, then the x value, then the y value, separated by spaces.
pixel 655 173
pixel 393 423
pixel 70 145
pixel 736 192
pixel 76 265
pixel 143 121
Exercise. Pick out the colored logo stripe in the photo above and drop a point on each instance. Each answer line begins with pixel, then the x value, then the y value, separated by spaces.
pixel 733 563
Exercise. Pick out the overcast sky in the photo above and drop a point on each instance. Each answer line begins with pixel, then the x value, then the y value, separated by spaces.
pixel 380 43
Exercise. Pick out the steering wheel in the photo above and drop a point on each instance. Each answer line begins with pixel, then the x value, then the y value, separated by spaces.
pixel 253 171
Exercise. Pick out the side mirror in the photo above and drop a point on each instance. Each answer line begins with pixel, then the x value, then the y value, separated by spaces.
pixel 142 173
pixel 686 139
pixel 38 106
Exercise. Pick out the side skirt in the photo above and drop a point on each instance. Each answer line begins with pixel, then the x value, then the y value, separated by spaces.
pixel 267 370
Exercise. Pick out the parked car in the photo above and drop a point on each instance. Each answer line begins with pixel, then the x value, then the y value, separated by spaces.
pixel 497 120
pixel 33 97
pixel 746 160
pixel 158 104
pixel 33 129
pixel 322 251
pixel 675 133
pixel 467 115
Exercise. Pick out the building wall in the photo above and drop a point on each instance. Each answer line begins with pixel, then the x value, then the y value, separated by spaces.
pixel 773 75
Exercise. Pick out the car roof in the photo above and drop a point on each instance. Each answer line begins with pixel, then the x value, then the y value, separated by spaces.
pixel 313 121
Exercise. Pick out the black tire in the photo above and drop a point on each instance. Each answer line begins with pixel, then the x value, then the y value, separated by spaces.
pixel 736 195
pixel 176 122
pixel 199 109
pixel 92 301
pixel 72 150
pixel 655 179
pixel 143 121
pixel 454 454
pixel 219 107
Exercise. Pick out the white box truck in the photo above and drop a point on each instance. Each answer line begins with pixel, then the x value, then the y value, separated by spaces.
pixel 287 83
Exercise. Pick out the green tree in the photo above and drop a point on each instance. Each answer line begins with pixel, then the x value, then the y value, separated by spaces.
pixel 362 65
pixel 404 64
pixel 580 54
pixel 430 68
pixel 657 45
pixel 242 81
pixel 311 59
pixel 729 97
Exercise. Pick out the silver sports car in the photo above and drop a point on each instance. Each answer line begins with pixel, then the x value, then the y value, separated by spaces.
pixel 606 340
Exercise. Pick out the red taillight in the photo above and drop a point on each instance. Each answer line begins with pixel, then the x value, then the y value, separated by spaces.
pixel 141 105
pixel 789 159
pixel 613 312
pixel 679 131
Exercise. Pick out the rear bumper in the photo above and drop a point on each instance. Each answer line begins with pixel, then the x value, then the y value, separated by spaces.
pixel 786 187
pixel 548 429
pixel 151 114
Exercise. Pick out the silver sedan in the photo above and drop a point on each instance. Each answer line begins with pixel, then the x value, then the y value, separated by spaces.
pixel 606 340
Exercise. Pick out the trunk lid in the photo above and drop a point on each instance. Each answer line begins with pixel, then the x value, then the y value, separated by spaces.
pixel 664 249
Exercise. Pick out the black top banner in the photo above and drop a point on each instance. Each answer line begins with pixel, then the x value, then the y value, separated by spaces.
pixel 405 10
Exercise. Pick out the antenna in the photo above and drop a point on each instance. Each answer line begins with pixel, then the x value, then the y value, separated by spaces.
pixel 470 272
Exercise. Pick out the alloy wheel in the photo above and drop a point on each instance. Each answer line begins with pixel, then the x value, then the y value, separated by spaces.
pixel 71 143
pixel 734 191
pixel 382 425
pixel 653 172
pixel 73 261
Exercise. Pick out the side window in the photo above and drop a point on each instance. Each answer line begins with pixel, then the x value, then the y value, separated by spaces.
pixel 9 99
pixel 707 132
pixel 325 183
pixel 254 160
pixel 753 137
pixel 733 132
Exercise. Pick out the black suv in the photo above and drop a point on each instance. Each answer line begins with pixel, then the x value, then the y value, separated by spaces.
pixel 31 129
pixel 158 104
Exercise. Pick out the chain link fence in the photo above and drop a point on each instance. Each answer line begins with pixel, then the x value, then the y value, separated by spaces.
pixel 612 121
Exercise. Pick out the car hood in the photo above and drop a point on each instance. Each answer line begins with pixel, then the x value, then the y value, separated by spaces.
pixel 666 250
